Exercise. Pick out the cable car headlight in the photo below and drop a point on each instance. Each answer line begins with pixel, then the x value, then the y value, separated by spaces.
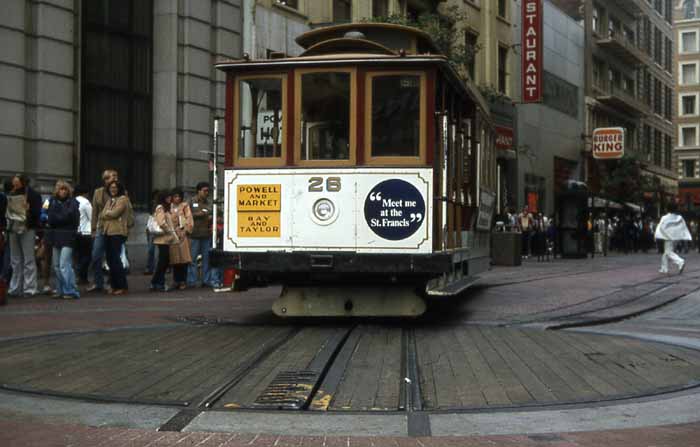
pixel 324 212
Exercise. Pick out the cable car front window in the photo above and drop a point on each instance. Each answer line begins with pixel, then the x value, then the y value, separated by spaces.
pixel 260 127
pixel 395 116
pixel 325 116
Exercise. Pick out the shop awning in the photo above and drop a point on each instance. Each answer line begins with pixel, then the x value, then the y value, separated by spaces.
pixel 599 202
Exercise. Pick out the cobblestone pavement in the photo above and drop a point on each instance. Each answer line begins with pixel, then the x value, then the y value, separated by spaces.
pixel 530 295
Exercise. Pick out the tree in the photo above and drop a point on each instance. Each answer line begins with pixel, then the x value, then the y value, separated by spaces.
pixel 443 29
pixel 622 180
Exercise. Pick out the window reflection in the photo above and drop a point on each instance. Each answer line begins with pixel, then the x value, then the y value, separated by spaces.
pixel 395 116
pixel 260 127
pixel 325 116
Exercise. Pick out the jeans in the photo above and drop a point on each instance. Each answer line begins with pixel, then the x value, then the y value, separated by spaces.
pixel 158 280
pixel 84 249
pixel 6 270
pixel 98 252
pixel 117 275
pixel 200 246
pixel 63 269
pixel 23 263
pixel 151 262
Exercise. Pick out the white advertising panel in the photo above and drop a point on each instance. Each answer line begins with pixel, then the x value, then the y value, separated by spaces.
pixel 362 210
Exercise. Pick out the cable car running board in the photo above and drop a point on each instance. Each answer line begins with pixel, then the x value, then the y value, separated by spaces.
pixel 450 288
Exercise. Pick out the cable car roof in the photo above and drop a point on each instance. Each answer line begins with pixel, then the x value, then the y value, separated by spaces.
pixel 363 44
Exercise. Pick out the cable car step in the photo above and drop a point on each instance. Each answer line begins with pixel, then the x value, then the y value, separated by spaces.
pixel 442 288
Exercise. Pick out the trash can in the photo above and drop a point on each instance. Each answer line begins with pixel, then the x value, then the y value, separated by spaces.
pixel 506 248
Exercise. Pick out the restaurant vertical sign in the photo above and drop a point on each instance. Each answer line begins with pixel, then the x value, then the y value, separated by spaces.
pixel 532 51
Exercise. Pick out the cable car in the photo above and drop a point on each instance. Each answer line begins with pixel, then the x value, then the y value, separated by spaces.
pixel 360 175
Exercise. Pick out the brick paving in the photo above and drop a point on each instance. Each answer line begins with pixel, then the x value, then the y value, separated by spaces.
pixel 33 434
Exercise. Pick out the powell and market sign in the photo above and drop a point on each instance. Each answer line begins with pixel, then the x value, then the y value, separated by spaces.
pixel 532 51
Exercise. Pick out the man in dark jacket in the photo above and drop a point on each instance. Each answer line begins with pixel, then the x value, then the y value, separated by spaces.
pixel 24 211
pixel 201 237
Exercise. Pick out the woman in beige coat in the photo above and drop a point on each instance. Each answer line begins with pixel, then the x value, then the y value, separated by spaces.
pixel 114 218
pixel 163 241
pixel 180 254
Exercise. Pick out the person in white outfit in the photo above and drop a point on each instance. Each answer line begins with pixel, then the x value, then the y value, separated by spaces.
pixel 672 228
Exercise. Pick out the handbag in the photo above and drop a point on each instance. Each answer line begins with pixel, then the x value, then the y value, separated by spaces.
pixel 16 214
pixel 153 228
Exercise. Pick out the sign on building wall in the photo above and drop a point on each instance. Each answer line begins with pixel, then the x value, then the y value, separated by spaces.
pixel 532 51
pixel 608 143
pixel 504 138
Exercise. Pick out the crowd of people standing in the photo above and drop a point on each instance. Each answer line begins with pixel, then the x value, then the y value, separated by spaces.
pixel 623 233
pixel 72 237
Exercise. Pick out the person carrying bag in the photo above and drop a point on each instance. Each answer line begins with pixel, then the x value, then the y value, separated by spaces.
pixel 161 226
pixel 181 252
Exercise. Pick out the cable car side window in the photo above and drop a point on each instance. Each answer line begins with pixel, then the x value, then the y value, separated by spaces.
pixel 395 117
pixel 260 118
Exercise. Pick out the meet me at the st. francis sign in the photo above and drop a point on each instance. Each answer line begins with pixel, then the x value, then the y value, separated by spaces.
pixel 532 51
pixel 608 143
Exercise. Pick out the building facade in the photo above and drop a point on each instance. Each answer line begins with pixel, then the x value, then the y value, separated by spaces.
pixel 629 83
pixel 687 113
pixel 487 29
pixel 94 84
pixel 549 132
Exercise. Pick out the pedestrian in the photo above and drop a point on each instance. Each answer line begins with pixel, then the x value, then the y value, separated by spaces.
pixel 4 245
pixel 672 228
pixel 539 238
pixel 163 236
pixel 525 226
pixel 201 237
pixel 23 211
pixel 61 235
pixel 114 221
pixel 83 243
pixel 151 248
pixel 181 253
pixel 99 199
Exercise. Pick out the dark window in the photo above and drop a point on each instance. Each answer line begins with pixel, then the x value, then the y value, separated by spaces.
pixel 689 168
pixel 658 46
pixel 689 9
pixel 647 35
pixel 668 11
pixel 502 8
pixel 658 5
pixel 380 8
pixel 658 109
pixel 668 152
pixel 325 116
pixel 689 105
pixel 470 42
pixel 657 148
pixel 342 11
pixel 395 116
pixel 668 56
pixel 648 142
pixel 668 109
pixel 116 118
pixel 502 70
